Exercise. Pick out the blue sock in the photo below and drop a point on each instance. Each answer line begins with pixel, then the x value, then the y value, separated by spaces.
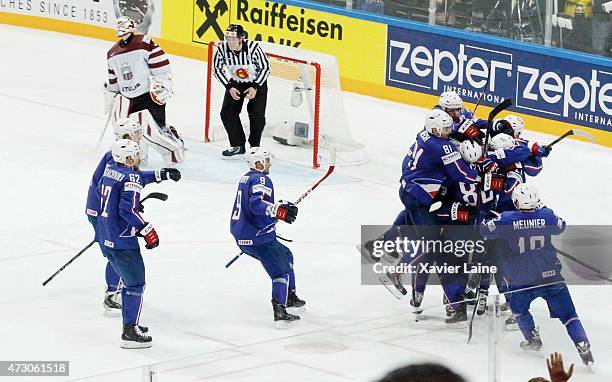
pixel 575 330
pixel 526 324
pixel 112 278
pixel 291 272
pixel 131 304
pixel 279 288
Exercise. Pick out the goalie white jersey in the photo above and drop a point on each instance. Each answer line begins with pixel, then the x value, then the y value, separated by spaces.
pixel 132 62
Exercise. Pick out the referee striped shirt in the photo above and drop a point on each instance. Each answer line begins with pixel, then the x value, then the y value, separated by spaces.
pixel 249 65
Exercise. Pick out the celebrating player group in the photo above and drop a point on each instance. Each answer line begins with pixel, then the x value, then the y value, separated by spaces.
pixel 460 172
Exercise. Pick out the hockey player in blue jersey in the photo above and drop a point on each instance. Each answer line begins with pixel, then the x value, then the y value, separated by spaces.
pixel 119 224
pixel 431 161
pixel 532 268
pixel 465 126
pixel 253 225
pixel 125 128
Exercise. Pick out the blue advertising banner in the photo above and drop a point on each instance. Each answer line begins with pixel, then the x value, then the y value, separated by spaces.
pixel 542 85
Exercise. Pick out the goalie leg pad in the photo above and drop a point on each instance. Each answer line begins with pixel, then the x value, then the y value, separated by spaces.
pixel 170 147
pixel 121 108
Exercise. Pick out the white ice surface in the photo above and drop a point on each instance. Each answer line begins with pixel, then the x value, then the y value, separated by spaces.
pixel 220 320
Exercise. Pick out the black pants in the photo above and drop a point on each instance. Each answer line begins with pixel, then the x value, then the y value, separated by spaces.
pixel 230 115
pixel 144 102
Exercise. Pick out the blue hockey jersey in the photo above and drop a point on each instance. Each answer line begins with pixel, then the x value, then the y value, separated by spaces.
pixel 119 219
pixel 431 161
pixel 93 193
pixel 528 257
pixel 251 223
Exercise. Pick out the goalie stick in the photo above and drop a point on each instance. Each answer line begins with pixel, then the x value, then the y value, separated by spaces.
pixel 152 195
pixel 498 109
pixel 104 130
pixel 332 166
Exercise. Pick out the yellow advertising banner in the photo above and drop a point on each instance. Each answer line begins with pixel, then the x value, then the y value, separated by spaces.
pixel 357 44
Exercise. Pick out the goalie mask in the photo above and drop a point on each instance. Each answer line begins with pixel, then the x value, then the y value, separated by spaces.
pixel 125 25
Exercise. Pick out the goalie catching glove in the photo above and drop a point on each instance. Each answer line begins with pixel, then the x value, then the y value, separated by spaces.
pixel 167 174
pixel 160 89
pixel 150 236
pixel 285 211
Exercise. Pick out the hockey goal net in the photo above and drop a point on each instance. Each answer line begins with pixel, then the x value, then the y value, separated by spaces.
pixel 304 106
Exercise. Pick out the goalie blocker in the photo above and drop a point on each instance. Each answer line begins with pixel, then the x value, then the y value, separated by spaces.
pixel 164 139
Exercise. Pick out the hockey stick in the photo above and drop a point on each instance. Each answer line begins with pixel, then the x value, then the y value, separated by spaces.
pixel 576 132
pixel 599 272
pixel 498 109
pixel 104 130
pixel 156 195
pixel 153 195
pixel 332 166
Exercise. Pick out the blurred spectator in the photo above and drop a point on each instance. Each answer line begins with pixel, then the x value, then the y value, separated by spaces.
pixel 425 372
pixel 556 370
pixel 538 379
pixel 581 12
pixel 602 28
pixel 374 6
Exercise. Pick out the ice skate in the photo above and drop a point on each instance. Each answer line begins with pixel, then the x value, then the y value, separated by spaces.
pixel 584 350
pixel 133 338
pixel 112 308
pixel 294 304
pixel 232 152
pixel 534 344
pixel 282 319
pixel 458 318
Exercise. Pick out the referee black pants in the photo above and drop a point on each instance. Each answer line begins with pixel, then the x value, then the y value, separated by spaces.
pixel 230 115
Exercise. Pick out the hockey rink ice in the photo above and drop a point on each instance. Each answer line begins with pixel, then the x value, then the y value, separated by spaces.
pixel 212 323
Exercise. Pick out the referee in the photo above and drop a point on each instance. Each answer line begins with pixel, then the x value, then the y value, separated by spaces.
pixel 243 68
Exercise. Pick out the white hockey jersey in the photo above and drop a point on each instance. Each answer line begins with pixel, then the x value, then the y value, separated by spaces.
pixel 131 64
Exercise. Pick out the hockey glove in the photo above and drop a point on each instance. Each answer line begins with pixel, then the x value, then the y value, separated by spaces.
pixel 285 211
pixel 497 182
pixel 541 151
pixel 167 174
pixel 150 236
pixel 160 93
pixel 460 212
pixel 470 130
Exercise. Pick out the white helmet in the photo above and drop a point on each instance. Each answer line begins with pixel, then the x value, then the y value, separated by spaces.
pixel 470 151
pixel 450 100
pixel 127 126
pixel 501 141
pixel 517 124
pixel 525 197
pixel 123 149
pixel 439 120
pixel 257 154
pixel 125 25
